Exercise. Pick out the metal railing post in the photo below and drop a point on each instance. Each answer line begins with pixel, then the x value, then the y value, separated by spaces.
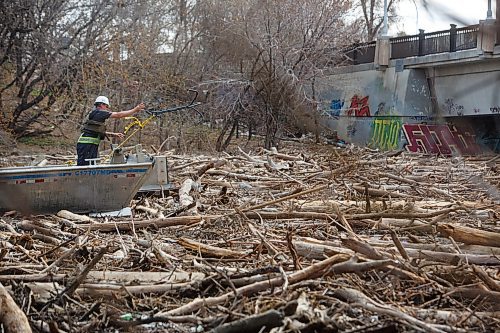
pixel 453 37
pixel 355 53
pixel 421 40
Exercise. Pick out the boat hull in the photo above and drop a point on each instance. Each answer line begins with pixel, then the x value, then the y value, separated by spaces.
pixel 80 189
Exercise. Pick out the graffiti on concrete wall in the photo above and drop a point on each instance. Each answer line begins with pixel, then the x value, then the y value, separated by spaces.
pixel 439 139
pixel 452 108
pixel 386 132
pixel 359 107
pixel 421 118
pixel 386 129
pixel 336 106
pixel 351 129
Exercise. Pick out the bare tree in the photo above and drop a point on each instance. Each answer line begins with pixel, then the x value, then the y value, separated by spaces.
pixel 155 59
pixel 273 50
pixel 55 55
pixel 41 49
pixel 373 15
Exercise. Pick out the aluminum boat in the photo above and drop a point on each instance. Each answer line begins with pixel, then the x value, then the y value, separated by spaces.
pixel 80 189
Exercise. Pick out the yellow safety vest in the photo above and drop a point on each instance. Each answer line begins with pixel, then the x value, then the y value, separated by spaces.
pixel 89 139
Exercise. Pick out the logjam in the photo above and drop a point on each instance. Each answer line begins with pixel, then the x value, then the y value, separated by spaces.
pixel 310 238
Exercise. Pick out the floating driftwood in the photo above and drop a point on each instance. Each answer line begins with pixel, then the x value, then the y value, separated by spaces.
pixel 308 238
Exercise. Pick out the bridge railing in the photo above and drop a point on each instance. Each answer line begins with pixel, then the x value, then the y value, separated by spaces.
pixel 455 39
pixel 361 53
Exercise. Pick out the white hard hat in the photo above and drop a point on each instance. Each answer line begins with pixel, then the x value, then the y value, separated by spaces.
pixel 102 99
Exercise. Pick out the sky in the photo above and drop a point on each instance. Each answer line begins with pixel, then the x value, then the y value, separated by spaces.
pixel 440 15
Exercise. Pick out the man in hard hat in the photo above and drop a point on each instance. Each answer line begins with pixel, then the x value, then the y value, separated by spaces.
pixel 94 129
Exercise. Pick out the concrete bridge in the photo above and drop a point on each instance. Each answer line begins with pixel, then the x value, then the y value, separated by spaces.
pixel 435 93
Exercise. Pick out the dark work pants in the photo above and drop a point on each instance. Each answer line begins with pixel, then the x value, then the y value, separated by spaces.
pixel 86 151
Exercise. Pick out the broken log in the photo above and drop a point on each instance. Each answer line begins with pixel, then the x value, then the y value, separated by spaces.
pixel 208 250
pixel 253 324
pixel 310 271
pixel 470 236
pixel 354 296
pixel 12 317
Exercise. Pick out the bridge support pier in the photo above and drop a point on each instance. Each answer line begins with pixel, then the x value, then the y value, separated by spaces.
pixel 487 36
pixel 382 52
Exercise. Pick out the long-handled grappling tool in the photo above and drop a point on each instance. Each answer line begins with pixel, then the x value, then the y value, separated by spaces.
pixel 139 125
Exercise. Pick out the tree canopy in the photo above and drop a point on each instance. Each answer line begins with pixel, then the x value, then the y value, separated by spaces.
pixel 255 60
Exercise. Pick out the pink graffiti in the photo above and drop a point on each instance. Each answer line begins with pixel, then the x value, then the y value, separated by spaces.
pixel 359 107
pixel 439 139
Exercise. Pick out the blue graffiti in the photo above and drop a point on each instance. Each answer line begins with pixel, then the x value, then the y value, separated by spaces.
pixel 335 107
pixel 422 118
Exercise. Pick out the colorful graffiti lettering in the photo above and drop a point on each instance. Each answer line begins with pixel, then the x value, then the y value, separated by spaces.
pixel 359 107
pixel 439 139
pixel 335 107
pixel 385 133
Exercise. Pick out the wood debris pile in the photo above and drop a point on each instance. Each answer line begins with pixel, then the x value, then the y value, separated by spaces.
pixel 315 239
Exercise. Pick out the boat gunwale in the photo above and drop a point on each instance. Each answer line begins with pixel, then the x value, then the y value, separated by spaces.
pixel 48 168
